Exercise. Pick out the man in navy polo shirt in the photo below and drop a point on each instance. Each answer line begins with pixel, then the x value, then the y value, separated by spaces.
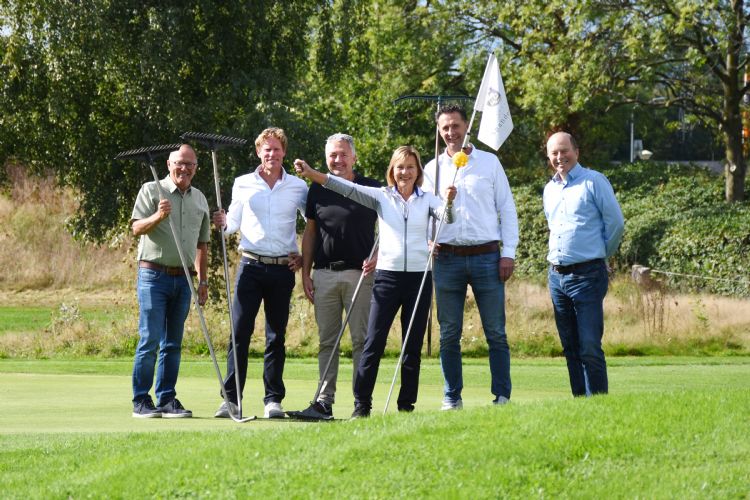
pixel 338 238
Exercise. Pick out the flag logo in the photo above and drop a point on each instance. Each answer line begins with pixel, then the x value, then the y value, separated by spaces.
pixel 494 98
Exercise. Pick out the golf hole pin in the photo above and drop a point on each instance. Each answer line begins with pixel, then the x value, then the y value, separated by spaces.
pixel 460 159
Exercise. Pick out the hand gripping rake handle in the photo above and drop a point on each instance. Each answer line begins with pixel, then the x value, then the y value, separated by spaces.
pixel 214 142
pixel 343 325
pixel 416 303
pixel 147 155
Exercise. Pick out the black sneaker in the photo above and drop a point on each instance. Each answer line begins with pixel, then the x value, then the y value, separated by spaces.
pixel 405 408
pixel 316 411
pixel 360 412
pixel 145 409
pixel 174 409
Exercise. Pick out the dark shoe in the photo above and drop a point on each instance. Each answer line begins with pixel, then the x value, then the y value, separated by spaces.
pixel 360 412
pixel 316 411
pixel 223 411
pixel 145 409
pixel 406 408
pixel 174 409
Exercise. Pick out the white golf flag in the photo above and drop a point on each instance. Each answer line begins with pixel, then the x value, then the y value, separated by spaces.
pixel 496 123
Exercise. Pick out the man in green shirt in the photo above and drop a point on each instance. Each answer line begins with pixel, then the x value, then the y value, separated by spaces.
pixel 163 290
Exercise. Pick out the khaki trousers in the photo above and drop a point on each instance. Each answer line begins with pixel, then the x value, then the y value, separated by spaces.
pixel 333 297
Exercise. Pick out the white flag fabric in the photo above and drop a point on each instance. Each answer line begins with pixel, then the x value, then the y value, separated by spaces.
pixel 496 123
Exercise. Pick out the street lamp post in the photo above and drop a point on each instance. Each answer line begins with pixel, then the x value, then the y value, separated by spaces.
pixel 632 141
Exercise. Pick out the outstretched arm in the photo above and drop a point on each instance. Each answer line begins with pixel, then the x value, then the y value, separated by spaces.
pixel 305 170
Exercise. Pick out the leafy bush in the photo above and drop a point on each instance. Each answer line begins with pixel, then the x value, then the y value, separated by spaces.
pixel 676 222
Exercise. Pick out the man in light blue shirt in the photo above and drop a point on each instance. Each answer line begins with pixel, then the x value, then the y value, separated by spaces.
pixel 586 226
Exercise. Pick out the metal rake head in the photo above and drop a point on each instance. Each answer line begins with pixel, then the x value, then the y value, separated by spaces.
pixel 438 98
pixel 213 141
pixel 148 153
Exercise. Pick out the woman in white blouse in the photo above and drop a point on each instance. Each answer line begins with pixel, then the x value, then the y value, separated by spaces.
pixel 403 211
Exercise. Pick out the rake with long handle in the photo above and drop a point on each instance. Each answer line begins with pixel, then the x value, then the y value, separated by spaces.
pixel 214 142
pixel 147 155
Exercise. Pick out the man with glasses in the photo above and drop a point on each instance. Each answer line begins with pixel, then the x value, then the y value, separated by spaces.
pixel 338 238
pixel 163 290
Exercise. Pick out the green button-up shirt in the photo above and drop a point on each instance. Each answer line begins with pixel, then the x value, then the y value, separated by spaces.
pixel 191 219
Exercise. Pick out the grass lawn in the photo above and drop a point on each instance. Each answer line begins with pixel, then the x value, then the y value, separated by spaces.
pixel 24 319
pixel 670 427
pixel 29 319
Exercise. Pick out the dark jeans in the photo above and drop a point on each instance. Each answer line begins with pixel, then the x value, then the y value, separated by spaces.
pixel 578 301
pixel 271 284
pixel 393 290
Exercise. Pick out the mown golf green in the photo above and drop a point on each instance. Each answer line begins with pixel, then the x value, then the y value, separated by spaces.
pixel 670 427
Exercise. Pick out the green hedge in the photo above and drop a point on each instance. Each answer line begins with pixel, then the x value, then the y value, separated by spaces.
pixel 676 221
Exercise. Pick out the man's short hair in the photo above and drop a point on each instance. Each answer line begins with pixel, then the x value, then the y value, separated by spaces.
pixel 451 108
pixel 572 139
pixel 343 137
pixel 276 133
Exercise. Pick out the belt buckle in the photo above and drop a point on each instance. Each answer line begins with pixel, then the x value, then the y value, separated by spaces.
pixel 339 265
pixel 563 269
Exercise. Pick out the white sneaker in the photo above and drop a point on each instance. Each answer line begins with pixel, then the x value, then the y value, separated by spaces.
pixel 449 405
pixel 274 410
pixel 501 400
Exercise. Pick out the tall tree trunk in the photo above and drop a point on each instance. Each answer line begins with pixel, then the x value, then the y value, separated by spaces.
pixel 734 171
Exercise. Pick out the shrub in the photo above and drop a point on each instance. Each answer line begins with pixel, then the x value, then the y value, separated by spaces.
pixel 676 221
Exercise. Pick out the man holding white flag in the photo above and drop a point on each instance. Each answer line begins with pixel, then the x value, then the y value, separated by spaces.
pixel 478 249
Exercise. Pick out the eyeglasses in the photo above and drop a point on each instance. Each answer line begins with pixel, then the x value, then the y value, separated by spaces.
pixel 184 164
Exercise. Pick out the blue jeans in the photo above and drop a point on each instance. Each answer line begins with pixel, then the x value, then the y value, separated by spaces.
pixel 578 301
pixel 164 303
pixel 271 284
pixel 394 290
pixel 453 273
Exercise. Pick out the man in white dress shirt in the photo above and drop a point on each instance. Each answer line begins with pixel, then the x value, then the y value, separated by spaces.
pixel 264 209
pixel 478 249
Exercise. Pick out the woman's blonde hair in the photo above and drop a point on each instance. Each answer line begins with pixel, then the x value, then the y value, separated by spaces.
pixel 402 153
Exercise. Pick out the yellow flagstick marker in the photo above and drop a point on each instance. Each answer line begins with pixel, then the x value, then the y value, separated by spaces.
pixel 460 159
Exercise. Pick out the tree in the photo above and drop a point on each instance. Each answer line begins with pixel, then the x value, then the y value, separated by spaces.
pixel 557 61
pixel 693 53
pixel 84 80
pixel 576 65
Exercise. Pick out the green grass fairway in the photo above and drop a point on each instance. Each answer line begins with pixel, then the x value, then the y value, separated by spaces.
pixel 24 319
pixel 671 427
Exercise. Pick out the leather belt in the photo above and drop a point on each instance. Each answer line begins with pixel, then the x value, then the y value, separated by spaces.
pixel 171 271
pixel 282 260
pixel 571 268
pixel 338 265
pixel 466 250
